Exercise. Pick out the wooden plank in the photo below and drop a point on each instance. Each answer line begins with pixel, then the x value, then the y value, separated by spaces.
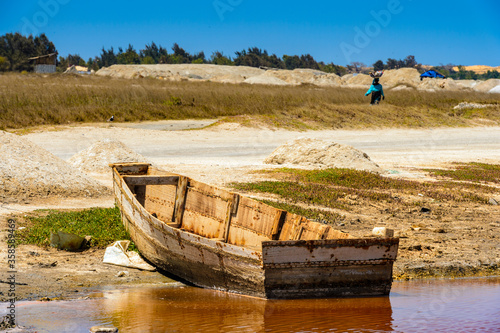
pixel 201 225
pixel 246 238
pixel 279 220
pixel 160 200
pixel 314 230
pixel 180 200
pixel 131 168
pixel 298 232
pixel 206 204
pixel 296 228
pixel 235 204
pixel 210 190
pixel 325 251
pixel 324 235
pixel 232 210
pixel 151 180
pixel 336 234
pixel 255 215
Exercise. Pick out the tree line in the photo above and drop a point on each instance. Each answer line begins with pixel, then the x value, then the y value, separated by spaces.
pixel 463 74
pixel 16 49
pixel 157 54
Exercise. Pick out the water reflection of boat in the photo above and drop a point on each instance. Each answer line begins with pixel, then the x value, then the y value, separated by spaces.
pixel 194 309
pixel 221 240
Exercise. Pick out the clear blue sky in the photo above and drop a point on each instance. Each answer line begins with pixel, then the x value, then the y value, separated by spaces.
pixel 435 32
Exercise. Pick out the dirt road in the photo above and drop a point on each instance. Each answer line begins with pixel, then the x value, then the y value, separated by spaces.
pixel 234 146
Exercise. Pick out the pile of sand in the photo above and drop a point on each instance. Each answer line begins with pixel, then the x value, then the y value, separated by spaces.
pixel 179 71
pixel 321 154
pixel 28 171
pixel 487 85
pixel 96 158
pixel 439 84
pixel 305 76
pixel 228 78
pixel 468 83
pixel 357 80
pixel 495 90
pixel 403 77
pixel 266 78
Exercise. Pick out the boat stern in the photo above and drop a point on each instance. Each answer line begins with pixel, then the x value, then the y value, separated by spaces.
pixel 329 268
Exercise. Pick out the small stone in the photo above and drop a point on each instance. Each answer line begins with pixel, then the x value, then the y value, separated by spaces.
pixel 493 202
pixel 415 248
pixel 47 265
pixel 103 329
pixel 86 242
pixel 122 273
pixel 425 210
pixel 382 232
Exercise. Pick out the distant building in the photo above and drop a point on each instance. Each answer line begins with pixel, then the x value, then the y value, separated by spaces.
pixel 45 63
pixel 78 70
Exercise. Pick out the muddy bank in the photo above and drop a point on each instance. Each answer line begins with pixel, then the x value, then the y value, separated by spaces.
pixel 51 274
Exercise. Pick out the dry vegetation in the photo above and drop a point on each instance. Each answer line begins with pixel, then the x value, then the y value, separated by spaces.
pixel 31 100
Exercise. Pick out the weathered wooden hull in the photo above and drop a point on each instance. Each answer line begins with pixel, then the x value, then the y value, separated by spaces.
pixel 216 239
pixel 326 268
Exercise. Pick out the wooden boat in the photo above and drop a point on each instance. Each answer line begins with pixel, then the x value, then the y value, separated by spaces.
pixel 221 240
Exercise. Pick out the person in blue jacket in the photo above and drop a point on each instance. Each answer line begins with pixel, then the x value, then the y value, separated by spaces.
pixel 377 92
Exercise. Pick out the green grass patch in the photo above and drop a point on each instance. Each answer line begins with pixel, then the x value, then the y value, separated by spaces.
pixel 103 224
pixel 330 187
pixel 471 172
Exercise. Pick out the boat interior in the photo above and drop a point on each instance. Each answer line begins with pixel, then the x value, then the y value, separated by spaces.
pixel 210 212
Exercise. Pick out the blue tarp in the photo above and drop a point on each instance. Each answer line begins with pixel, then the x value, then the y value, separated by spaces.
pixel 432 73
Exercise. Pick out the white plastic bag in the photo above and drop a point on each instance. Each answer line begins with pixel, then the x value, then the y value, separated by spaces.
pixel 117 254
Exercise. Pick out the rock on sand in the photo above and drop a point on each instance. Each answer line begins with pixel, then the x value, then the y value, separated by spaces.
pixel 28 171
pixel 321 154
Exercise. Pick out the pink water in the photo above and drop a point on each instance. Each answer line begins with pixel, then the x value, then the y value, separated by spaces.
pixel 465 305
